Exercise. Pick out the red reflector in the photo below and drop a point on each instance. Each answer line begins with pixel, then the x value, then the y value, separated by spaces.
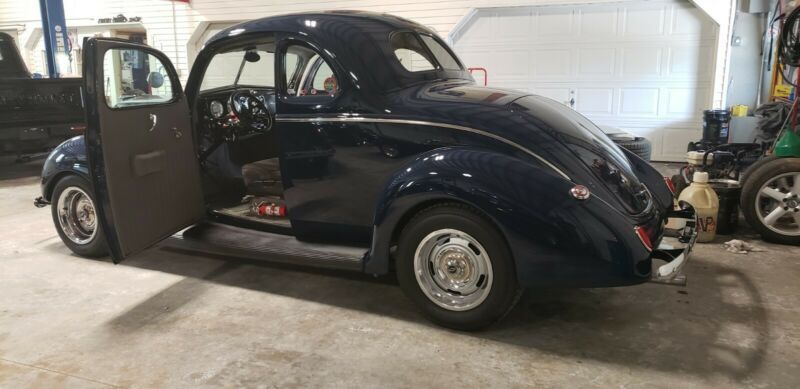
pixel 644 237
pixel 670 185
pixel 78 129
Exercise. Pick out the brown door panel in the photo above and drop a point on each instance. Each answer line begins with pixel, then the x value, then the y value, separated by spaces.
pixel 151 180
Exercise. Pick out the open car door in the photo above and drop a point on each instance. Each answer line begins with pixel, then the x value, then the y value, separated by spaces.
pixel 144 169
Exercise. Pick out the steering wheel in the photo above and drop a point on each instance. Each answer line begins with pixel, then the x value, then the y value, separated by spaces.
pixel 253 115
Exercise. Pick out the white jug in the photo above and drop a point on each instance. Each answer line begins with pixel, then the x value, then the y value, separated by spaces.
pixel 705 202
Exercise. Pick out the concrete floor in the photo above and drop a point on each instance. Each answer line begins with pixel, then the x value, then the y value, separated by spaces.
pixel 163 319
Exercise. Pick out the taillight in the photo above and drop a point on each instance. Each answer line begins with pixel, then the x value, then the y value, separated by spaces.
pixel 670 185
pixel 641 232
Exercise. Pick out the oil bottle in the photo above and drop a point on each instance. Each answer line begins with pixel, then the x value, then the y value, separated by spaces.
pixel 706 204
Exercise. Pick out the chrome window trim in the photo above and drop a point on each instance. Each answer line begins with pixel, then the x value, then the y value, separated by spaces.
pixel 363 119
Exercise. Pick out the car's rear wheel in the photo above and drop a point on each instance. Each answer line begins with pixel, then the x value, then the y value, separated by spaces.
pixel 456 266
pixel 75 217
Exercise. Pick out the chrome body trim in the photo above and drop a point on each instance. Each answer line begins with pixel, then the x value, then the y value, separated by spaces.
pixel 363 119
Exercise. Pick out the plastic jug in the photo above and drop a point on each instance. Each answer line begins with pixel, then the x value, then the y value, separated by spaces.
pixel 705 202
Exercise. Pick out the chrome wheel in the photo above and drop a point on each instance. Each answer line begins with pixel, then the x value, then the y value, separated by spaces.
pixel 778 204
pixel 76 215
pixel 453 270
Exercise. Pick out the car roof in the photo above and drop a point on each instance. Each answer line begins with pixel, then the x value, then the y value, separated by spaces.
pixel 306 23
pixel 358 40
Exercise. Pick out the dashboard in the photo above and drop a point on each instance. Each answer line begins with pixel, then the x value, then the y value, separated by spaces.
pixel 217 116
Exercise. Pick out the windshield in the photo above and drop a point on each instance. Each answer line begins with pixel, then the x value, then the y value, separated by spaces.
pixel 250 67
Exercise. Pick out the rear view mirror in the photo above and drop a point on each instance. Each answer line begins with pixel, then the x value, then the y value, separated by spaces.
pixel 252 56
pixel 155 79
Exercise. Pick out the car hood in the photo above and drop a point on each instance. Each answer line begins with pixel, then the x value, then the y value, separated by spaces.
pixel 551 130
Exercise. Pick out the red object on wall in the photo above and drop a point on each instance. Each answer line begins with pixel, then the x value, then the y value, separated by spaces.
pixel 485 74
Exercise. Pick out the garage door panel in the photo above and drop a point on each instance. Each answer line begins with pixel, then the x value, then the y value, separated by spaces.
pixel 560 94
pixel 690 62
pixel 685 102
pixel 547 64
pixel 551 22
pixel 641 62
pixel 638 22
pixel 675 140
pixel 507 63
pixel 594 63
pixel 475 57
pixel 595 101
pixel 598 23
pixel 690 22
pixel 639 101
pixel 512 25
pixel 478 30
pixel 633 65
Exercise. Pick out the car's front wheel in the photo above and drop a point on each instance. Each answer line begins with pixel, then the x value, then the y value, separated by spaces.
pixel 75 217
pixel 455 265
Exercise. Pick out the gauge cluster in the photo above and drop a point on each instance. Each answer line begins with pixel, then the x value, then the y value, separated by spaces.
pixel 219 118
pixel 216 109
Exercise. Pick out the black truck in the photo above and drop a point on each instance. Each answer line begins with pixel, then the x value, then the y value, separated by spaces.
pixel 36 114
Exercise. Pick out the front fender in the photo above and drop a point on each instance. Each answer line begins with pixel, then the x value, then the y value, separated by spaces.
pixel 554 238
pixel 67 158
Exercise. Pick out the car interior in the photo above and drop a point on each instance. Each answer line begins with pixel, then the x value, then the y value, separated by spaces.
pixel 234 118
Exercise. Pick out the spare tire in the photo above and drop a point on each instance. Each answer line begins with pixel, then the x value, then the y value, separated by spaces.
pixel 638 145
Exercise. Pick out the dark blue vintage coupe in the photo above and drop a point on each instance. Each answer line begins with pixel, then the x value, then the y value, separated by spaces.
pixel 358 141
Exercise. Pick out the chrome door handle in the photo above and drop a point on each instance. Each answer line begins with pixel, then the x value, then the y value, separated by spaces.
pixel 153 120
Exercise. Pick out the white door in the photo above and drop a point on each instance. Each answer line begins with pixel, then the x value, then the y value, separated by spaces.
pixel 645 67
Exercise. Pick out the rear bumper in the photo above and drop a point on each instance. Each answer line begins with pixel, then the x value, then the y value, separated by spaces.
pixel 680 236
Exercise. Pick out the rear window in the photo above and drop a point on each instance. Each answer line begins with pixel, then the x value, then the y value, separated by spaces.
pixel 441 53
pixel 410 52
pixel 420 53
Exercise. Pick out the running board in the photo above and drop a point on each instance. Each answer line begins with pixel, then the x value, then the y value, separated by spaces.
pixel 227 240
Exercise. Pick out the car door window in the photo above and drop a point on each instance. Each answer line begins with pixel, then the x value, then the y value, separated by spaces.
pixel 308 74
pixel 133 77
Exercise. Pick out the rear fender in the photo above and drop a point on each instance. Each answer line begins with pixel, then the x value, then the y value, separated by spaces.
pixel 549 232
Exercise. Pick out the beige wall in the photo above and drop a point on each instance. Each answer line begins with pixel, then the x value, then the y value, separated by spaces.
pixel 170 25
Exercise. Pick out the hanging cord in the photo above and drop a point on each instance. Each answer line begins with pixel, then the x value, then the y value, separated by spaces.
pixel 789 56
pixel 789 46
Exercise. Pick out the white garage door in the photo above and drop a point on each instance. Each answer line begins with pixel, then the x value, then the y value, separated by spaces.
pixel 645 67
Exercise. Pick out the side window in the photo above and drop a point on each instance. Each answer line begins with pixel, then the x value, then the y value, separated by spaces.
pixel 292 65
pixel 308 74
pixel 134 77
pixel 411 53
pixel 323 81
